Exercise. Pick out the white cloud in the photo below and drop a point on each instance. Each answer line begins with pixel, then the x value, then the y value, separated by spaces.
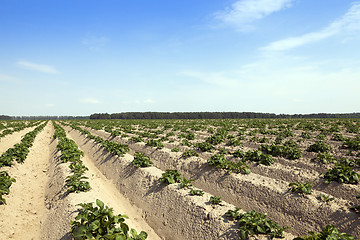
pixel 89 100
pixel 49 105
pixel 243 13
pixel 95 43
pixel 7 78
pixel 37 67
pixel 349 23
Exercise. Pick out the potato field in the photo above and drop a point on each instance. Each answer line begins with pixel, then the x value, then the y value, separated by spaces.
pixel 180 179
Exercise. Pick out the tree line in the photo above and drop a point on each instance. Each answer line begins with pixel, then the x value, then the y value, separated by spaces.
pixel 184 115
pixel 215 115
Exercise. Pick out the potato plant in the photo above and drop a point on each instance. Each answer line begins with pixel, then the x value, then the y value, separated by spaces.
pixel 325 158
pixel 253 222
pixel 342 174
pixel 216 200
pixel 196 192
pixel 319 146
pixel 141 160
pixel 329 232
pixel 99 222
pixel 171 176
pixel 299 187
pixel 326 198
pixel 5 183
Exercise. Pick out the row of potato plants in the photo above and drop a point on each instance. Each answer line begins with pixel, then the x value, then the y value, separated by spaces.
pixel 172 176
pixel 71 153
pixel 17 153
pixel 342 171
pixel 289 149
pixel 250 222
pixel 99 221
pixel 111 146
pixel 217 138
pixel 16 127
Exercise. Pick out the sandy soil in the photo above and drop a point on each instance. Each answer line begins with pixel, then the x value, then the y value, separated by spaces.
pixel 22 217
pixel 38 206
pixel 266 188
pixel 104 189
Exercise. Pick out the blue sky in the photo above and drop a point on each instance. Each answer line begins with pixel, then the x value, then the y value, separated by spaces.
pixel 81 57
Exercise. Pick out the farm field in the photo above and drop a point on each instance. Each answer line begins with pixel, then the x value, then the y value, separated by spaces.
pixel 184 179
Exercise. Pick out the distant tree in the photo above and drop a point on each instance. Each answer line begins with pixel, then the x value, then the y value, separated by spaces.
pixel 5 117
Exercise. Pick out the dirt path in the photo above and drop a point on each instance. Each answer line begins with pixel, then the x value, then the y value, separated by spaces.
pixel 22 217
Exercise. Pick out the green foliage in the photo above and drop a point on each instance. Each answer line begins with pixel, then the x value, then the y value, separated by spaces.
pixel 71 153
pixel 78 167
pixel 342 174
pixel 188 136
pixel 115 147
pixel 170 176
pixel 234 142
pixel 306 135
pixel 325 158
pixel 186 183
pixel 215 139
pixel 175 149
pixel 328 233
pixel 233 214
pixel 238 154
pixel 319 146
pixel 189 153
pixel 99 222
pixel 195 192
pixel 5 184
pixel 222 151
pixel 141 160
pixel 252 222
pixel 219 160
pixel 215 200
pixel 300 187
pixel 137 139
pixel 75 184
pixel 20 151
pixel 186 142
pixel 155 143
pixel 352 143
pixel 205 147
pixel 289 152
pixel 338 137
pixel 348 162
pixel 325 198
pixel 259 157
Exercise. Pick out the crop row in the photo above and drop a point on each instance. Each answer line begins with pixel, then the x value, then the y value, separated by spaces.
pixel 71 153
pixel 145 158
pixel 251 227
pixel 290 140
pixel 17 153
pixel 328 189
pixel 16 126
pixel 342 171
pixel 99 221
